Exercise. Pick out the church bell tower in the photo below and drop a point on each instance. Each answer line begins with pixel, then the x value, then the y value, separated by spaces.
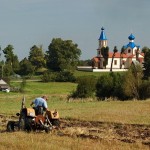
pixel 102 42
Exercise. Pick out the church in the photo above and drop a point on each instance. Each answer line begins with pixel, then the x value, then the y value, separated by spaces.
pixel 129 54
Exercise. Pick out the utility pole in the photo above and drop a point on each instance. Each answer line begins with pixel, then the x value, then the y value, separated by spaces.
pixel 2 71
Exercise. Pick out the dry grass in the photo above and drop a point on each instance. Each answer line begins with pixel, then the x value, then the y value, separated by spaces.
pixel 128 112
pixel 38 141
pixel 131 112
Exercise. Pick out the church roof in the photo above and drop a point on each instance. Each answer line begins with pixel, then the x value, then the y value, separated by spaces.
pixel 2 82
pixel 102 35
pixel 131 37
pixel 96 59
pixel 131 43
pixel 117 55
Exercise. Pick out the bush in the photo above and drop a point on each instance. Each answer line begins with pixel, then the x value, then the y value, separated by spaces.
pixel 104 87
pixel 65 76
pixel 144 91
pixel 117 91
pixel 48 76
pixel 22 85
pixel 85 88
pixel 133 82
pixel 110 85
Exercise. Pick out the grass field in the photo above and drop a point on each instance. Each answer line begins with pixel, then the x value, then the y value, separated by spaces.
pixel 128 112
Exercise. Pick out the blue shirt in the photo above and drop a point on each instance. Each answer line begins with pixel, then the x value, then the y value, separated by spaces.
pixel 40 102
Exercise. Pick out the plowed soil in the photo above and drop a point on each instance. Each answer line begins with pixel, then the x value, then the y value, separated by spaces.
pixel 129 133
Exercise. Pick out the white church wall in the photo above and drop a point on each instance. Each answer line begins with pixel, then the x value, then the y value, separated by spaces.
pixel 116 63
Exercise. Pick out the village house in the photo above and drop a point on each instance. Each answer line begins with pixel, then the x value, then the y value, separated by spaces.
pixel 4 86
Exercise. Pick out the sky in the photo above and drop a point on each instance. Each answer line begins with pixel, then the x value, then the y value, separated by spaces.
pixel 24 23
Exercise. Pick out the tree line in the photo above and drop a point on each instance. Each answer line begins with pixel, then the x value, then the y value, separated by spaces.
pixel 128 85
pixel 133 84
pixel 61 55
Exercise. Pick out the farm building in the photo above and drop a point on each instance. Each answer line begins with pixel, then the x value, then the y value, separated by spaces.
pixel 3 85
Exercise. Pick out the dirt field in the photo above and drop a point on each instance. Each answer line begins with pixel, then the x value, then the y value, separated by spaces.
pixel 129 133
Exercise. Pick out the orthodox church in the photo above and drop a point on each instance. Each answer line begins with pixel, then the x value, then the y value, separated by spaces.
pixel 129 54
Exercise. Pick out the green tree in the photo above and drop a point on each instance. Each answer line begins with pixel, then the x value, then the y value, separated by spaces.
pixel 104 86
pixel 105 53
pixel 117 89
pixel 11 59
pixel 36 57
pixel 145 49
pixel 62 54
pixel 15 64
pixel 114 51
pixel 87 62
pixel 22 85
pixel 48 76
pixel 145 90
pixel 133 81
pixel 110 85
pixel 8 54
pixel 1 69
pixel 7 70
pixel 65 76
pixel 85 88
pixel 146 63
pixel 121 56
pixel 26 68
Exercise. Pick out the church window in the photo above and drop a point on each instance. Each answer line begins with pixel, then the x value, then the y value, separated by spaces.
pixel 115 62
pixel 129 50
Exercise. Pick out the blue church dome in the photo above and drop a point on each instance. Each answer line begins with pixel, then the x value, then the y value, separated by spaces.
pixel 131 37
pixel 131 43
pixel 102 35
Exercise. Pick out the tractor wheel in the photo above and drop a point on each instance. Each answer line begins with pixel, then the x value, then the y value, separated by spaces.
pixel 47 130
pixel 11 126
pixel 55 122
pixel 28 124
pixel 22 122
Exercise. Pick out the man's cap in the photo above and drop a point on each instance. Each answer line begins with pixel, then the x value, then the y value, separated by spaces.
pixel 45 97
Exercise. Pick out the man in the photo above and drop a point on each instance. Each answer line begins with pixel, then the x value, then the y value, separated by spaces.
pixel 40 105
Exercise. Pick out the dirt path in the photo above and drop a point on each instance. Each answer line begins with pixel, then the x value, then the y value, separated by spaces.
pixel 129 133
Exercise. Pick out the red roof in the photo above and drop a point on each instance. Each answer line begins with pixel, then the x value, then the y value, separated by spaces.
pixel 117 55
pixel 96 59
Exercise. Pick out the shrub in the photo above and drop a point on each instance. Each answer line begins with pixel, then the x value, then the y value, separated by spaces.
pixel 104 87
pixel 144 91
pixel 147 64
pixel 117 90
pixel 85 88
pixel 65 76
pixel 110 85
pixel 133 82
pixel 22 85
pixel 48 76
